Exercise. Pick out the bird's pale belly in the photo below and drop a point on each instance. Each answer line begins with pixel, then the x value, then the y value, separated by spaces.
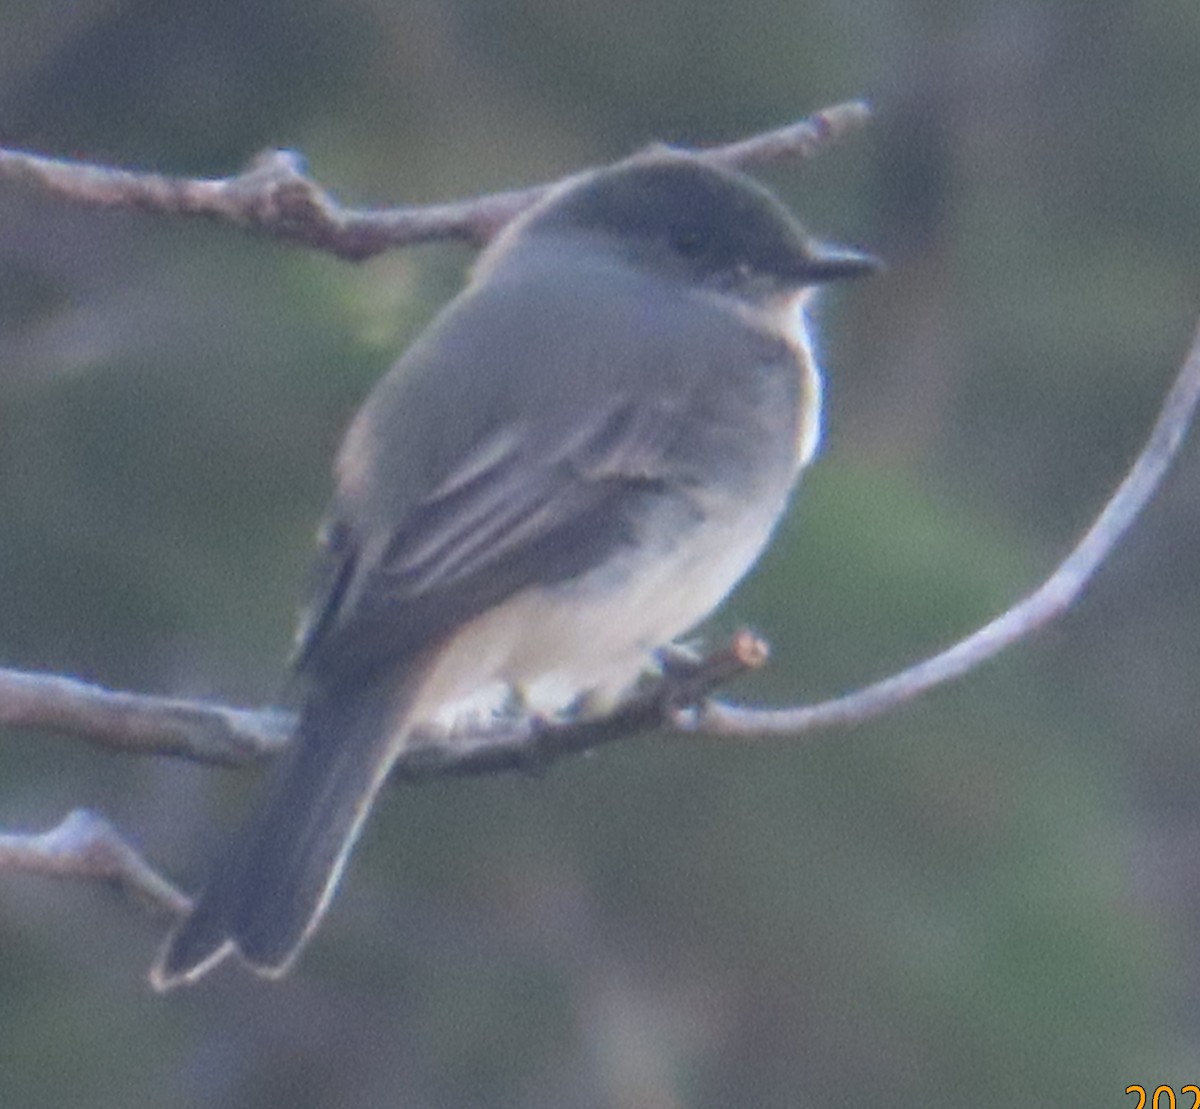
pixel 591 639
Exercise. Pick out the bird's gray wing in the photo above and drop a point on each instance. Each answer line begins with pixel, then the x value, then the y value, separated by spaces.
pixel 515 512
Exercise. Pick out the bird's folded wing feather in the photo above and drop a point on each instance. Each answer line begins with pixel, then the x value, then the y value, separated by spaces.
pixel 513 513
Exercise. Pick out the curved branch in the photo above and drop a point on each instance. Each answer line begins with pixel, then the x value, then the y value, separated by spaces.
pixel 276 197
pixel 1052 599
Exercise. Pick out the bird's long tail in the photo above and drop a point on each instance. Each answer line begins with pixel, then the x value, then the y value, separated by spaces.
pixel 275 879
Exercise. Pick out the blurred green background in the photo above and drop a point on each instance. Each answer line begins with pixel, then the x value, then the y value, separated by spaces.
pixel 991 898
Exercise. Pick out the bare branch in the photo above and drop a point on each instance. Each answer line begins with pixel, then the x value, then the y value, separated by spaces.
pixel 85 845
pixel 276 197
pixel 138 723
pixel 1051 600
pixel 141 724
pixel 806 138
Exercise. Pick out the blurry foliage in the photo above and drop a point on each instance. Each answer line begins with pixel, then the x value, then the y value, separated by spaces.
pixel 989 898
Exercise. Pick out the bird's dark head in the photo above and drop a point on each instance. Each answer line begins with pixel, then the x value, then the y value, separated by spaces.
pixel 683 218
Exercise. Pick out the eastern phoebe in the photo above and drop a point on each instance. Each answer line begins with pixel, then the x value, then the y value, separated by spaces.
pixel 570 468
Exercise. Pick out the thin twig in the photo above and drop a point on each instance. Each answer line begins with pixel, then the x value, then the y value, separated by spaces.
pixel 276 197
pixel 85 845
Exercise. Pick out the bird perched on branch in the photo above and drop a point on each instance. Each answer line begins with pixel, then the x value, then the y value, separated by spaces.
pixel 570 468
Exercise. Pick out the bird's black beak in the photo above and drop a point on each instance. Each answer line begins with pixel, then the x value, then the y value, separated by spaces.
pixel 836 263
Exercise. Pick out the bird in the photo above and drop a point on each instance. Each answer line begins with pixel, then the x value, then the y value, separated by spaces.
pixel 566 472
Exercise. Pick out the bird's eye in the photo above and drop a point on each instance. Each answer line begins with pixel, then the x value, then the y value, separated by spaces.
pixel 687 241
